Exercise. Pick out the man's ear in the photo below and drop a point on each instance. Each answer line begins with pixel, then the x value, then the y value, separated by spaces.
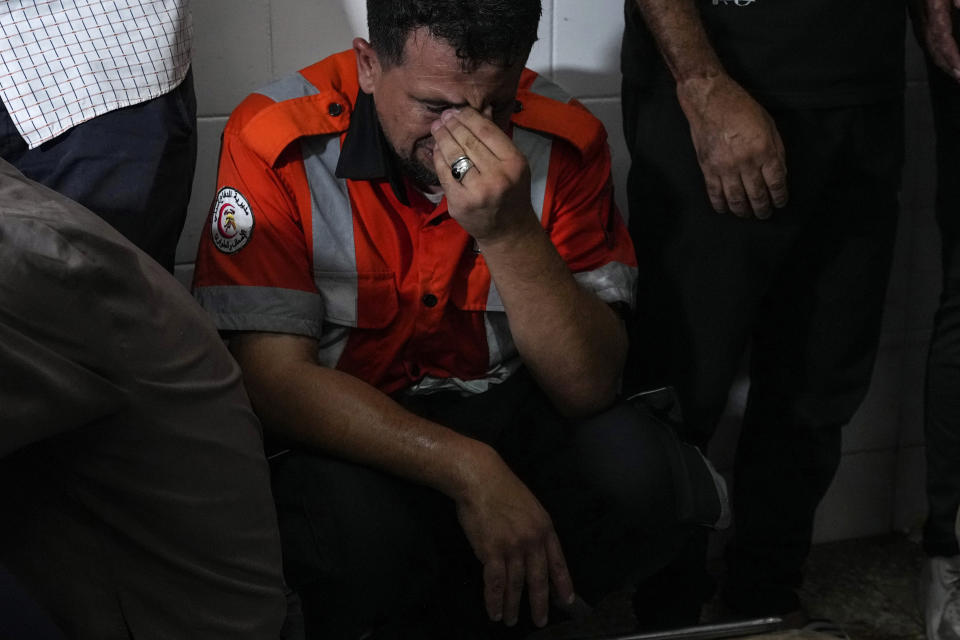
pixel 368 65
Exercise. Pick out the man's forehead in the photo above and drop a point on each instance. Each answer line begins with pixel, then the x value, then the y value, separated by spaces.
pixel 433 62
pixel 423 50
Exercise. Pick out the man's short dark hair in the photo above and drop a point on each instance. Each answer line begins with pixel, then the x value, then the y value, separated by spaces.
pixel 499 32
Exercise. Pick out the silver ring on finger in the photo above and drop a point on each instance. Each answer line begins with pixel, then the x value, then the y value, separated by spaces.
pixel 459 167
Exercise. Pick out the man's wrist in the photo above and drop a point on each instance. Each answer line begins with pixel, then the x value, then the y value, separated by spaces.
pixel 527 229
pixel 465 471
pixel 697 90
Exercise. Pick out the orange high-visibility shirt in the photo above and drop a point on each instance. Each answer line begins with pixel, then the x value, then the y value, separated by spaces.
pixel 390 285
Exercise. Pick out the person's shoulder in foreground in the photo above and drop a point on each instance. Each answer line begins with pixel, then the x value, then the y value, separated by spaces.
pixel 121 403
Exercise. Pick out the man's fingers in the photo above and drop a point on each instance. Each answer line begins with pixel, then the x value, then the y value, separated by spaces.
pixel 952 55
pixel 493 138
pixel 471 143
pixel 560 581
pixel 756 188
pixel 446 149
pixel 775 176
pixel 938 33
pixel 947 55
pixel 494 582
pixel 538 586
pixel 516 578
pixel 715 192
pixel 736 195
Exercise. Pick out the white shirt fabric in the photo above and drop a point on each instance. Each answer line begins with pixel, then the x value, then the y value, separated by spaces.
pixel 63 62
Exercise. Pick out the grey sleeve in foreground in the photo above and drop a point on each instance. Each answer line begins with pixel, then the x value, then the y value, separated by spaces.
pixel 43 393
pixel 50 338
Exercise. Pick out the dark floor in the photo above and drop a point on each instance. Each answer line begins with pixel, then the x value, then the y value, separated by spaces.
pixel 869 586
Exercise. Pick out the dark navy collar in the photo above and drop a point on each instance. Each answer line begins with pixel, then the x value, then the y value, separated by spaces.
pixel 365 153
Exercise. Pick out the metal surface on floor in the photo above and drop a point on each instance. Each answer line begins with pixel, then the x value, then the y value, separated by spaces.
pixel 867 586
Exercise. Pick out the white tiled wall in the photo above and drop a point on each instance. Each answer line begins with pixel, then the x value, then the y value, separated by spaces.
pixel 242 44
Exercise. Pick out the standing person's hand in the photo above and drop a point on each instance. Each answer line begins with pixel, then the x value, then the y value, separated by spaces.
pixel 738 147
pixel 935 30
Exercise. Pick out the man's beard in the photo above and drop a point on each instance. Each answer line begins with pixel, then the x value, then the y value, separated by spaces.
pixel 419 173
pixel 416 170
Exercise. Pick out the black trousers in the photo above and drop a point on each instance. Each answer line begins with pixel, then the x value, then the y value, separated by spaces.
pixel 133 167
pixel 942 418
pixel 805 289
pixel 367 551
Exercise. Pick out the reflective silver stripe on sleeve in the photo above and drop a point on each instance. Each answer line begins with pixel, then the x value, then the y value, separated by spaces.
pixel 288 87
pixel 546 88
pixel 613 282
pixel 334 252
pixel 499 338
pixel 503 362
pixel 467 387
pixel 242 308
pixel 537 148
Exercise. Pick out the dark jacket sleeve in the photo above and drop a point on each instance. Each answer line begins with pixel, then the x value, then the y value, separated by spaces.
pixel 52 377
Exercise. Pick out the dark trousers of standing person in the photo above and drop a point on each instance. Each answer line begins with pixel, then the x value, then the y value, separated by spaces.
pixel 942 406
pixel 133 167
pixel 366 550
pixel 804 290
pixel 20 615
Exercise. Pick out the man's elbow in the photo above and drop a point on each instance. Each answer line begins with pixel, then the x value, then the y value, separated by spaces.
pixel 594 389
pixel 590 395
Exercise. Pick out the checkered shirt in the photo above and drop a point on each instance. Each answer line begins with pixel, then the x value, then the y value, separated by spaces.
pixel 63 62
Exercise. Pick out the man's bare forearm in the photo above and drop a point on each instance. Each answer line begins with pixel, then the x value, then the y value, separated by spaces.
pixel 572 342
pixel 343 416
pixel 681 38
pixel 347 418
pixel 737 143
pixel 569 339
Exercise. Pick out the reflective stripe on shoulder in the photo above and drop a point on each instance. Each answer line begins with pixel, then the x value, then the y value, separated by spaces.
pixel 547 107
pixel 537 148
pixel 288 88
pixel 334 251
pixel 549 89
pixel 299 110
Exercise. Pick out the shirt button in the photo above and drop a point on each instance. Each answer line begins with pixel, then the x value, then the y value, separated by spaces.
pixel 517 106
pixel 335 109
pixel 430 300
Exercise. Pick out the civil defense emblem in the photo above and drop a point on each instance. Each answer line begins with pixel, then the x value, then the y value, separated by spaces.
pixel 231 224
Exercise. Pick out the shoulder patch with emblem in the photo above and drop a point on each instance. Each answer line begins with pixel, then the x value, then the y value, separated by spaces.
pixel 231 224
